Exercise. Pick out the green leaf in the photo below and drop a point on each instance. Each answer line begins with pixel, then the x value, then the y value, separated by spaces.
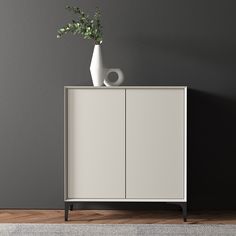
pixel 88 27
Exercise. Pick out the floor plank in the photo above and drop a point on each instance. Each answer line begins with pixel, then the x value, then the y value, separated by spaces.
pixel 115 217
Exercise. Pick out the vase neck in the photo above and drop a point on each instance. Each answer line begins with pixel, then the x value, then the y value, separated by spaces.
pixel 97 59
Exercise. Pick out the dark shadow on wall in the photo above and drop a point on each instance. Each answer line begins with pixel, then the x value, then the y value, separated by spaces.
pixel 211 157
pixel 211 151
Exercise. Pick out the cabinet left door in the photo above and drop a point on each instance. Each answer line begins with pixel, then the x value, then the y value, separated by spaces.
pixel 95 143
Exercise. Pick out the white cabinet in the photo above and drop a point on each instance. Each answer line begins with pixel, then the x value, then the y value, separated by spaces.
pixel 125 144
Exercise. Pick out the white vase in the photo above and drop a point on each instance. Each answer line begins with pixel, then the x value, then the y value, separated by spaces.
pixel 100 73
pixel 119 80
pixel 97 67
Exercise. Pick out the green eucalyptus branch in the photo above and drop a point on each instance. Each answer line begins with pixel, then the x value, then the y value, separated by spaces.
pixel 86 26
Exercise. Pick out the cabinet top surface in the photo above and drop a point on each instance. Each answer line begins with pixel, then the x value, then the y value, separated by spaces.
pixel 126 87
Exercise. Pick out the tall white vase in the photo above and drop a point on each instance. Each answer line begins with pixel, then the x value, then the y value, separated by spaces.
pixel 100 73
pixel 97 67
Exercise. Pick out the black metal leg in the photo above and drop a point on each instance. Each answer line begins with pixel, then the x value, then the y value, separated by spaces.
pixel 66 210
pixel 184 210
pixel 71 207
pixel 183 206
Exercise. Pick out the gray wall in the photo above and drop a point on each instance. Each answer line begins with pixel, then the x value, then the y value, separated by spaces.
pixel 155 42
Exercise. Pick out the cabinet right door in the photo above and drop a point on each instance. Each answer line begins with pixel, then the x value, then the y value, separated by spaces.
pixel 155 143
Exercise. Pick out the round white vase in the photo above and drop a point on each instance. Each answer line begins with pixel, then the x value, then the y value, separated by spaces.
pixel 100 73
pixel 119 80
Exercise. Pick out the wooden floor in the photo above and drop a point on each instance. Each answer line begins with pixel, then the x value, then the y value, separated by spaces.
pixel 115 217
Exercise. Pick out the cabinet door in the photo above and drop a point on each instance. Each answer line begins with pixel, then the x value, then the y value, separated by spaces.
pixel 96 143
pixel 155 143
